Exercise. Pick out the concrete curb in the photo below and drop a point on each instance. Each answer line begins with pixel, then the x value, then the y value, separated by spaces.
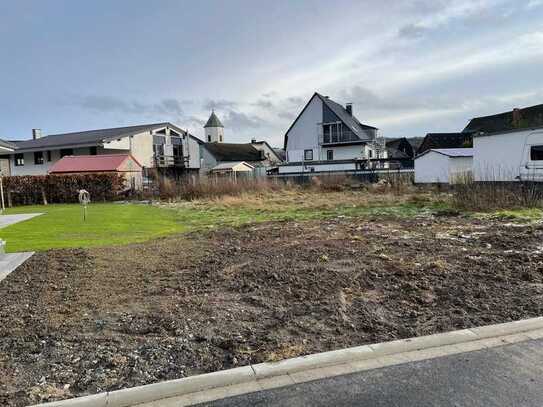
pixel 256 373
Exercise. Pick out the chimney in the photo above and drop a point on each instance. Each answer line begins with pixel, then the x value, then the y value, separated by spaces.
pixel 36 133
pixel 349 108
pixel 517 117
pixel 253 140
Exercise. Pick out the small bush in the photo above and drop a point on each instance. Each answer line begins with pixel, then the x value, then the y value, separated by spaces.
pixel 484 196
pixel 188 189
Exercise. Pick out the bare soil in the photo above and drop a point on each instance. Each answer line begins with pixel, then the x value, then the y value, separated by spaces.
pixel 76 322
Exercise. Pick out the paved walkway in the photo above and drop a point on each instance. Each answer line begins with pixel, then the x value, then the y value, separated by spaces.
pixel 510 375
pixel 6 220
pixel 10 261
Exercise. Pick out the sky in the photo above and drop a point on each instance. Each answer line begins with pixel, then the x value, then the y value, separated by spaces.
pixel 408 67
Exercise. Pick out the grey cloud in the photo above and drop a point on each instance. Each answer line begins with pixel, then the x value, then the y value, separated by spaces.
pixel 219 104
pixel 410 31
pixel 109 104
pixel 265 104
pixel 368 100
pixel 239 120
pixel 287 114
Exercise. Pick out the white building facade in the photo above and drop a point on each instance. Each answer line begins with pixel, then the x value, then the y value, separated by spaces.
pixel 162 145
pixel 326 136
pixel 444 166
pixel 515 155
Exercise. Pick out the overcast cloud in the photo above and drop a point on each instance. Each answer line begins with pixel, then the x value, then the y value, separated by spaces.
pixel 409 67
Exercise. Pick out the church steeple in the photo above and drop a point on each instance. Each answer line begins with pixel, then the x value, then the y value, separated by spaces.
pixel 214 130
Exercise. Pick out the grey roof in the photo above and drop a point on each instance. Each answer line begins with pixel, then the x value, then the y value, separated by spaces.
pixel 213 121
pixel 525 118
pixel 234 152
pixel 452 152
pixel 351 121
pixel 7 144
pixel 89 137
pixel 434 141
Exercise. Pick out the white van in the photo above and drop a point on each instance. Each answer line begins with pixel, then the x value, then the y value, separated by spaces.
pixel 515 155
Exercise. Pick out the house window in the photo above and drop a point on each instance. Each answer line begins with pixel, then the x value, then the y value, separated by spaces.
pixel 66 151
pixel 536 153
pixel 19 160
pixel 48 155
pixel 370 153
pixel 209 138
pixel 93 150
pixel 220 138
pixel 308 155
pixel 38 157
pixel 329 154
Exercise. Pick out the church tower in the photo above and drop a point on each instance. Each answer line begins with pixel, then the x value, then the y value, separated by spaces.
pixel 214 130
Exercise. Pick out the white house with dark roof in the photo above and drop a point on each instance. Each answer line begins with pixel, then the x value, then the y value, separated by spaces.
pixel 326 136
pixel 444 166
pixel 158 145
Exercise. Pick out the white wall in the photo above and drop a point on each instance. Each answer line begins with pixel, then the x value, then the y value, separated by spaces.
pixel 432 167
pixel 41 169
pixel 213 134
pixel 284 169
pixel 344 152
pixel 459 168
pixel 304 134
pixel 504 157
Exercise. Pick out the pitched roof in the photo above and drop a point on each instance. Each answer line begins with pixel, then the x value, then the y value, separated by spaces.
pixel 233 152
pixel 281 153
pixel 526 118
pixel 213 121
pixel 452 152
pixel 350 121
pixel 399 148
pixel 89 137
pixel 7 144
pixel 446 140
pixel 91 163
pixel 230 165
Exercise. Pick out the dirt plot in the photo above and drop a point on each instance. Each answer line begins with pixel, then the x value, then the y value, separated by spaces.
pixel 77 322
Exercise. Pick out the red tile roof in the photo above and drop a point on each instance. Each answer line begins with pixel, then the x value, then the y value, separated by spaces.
pixel 91 163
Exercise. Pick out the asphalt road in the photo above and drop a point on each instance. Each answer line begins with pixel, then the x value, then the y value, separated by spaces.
pixel 510 375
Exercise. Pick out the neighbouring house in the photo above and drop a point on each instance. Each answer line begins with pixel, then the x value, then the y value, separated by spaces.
pixel 162 146
pixel 218 156
pixel 446 140
pixel 509 146
pixel 401 152
pixel 444 165
pixel 5 148
pixel 123 164
pixel 503 147
pixel 327 137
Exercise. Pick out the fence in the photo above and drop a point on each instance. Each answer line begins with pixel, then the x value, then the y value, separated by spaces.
pixel 363 176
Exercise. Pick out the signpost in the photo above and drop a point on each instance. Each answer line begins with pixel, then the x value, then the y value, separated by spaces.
pixel 84 199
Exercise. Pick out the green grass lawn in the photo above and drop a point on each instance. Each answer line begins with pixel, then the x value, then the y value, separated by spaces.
pixel 62 226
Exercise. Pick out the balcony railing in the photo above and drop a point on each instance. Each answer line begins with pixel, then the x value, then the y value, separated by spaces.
pixel 169 161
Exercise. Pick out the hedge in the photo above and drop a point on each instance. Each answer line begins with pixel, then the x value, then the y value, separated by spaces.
pixel 43 189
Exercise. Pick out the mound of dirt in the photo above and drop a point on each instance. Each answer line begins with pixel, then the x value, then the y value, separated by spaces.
pixel 77 322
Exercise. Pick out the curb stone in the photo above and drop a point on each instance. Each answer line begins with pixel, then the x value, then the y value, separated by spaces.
pixel 253 373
